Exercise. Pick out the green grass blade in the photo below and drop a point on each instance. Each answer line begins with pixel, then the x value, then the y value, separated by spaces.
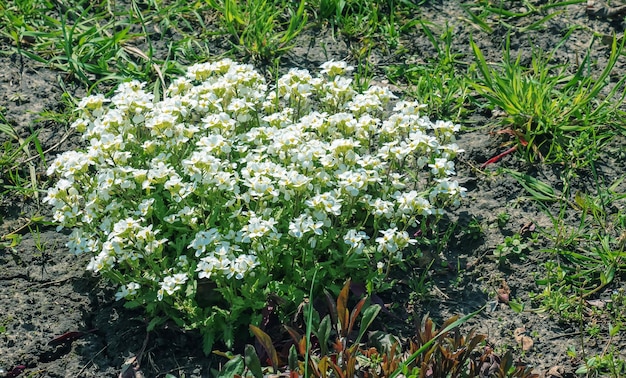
pixel 368 316
pixel 538 189
pixel 543 20
pixel 482 64
pixel 481 24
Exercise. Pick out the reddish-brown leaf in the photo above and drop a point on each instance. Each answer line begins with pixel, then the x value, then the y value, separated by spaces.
pixel 267 344
pixel 297 339
pixel 355 313
pixel 342 309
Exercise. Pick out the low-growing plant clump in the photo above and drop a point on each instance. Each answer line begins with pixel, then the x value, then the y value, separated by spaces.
pixel 201 204
pixel 333 347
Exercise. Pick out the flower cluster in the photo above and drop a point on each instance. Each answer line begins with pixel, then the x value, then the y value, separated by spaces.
pixel 231 181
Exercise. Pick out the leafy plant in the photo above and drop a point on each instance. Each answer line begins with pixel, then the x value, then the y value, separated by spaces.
pixel 436 83
pixel 94 44
pixel 263 29
pixel 502 219
pixel 18 173
pixel 302 174
pixel 474 229
pixel 548 108
pixel 512 246
pixel 336 351
pixel 331 11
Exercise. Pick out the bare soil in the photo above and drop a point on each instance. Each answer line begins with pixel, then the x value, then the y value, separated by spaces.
pixel 46 292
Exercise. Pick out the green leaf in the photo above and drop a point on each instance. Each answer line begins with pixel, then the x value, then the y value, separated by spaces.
pixel 252 361
pixel 293 358
pixel 582 370
pixel 232 368
pixel 156 321
pixel 192 287
pixel 369 314
pixel 538 189
pixel 477 21
pixel 516 306
pixel 132 304
pixel 208 338
pixel 6 129
pixel 323 334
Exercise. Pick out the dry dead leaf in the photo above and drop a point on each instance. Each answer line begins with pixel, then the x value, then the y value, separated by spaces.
pixel 527 228
pixel 599 303
pixel 525 341
pixel 556 372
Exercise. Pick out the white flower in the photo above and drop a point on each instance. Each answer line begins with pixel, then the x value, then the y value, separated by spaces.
pixel 332 68
pixel 353 182
pixel 204 239
pixel 381 208
pixel 379 267
pixel 261 186
pixel 442 167
pixel 447 189
pixel 204 181
pixel 207 266
pixel 304 224
pixel 325 203
pixel 410 203
pixel 409 107
pixel 393 242
pixel 127 291
pixel 242 265
pixel 355 239
pixel 257 228
pixel 171 284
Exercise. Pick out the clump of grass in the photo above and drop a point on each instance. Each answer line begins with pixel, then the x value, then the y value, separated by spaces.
pixel 263 29
pixel 98 44
pixel 436 82
pixel 549 110
pixel 580 282
pixel 18 173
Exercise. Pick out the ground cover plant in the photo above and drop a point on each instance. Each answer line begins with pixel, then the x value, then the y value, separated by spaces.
pixel 231 190
pixel 533 256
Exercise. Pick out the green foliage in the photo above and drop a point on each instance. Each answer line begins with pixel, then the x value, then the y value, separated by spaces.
pixel 380 21
pixel 512 246
pixel 548 108
pixel 484 14
pixel 502 219
pixel 594 252
pixel 97 43
pixel 438 83
pixel 474 229
pixel 263 29
pixel 294 175
pixel 610 364
pixel 18 175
